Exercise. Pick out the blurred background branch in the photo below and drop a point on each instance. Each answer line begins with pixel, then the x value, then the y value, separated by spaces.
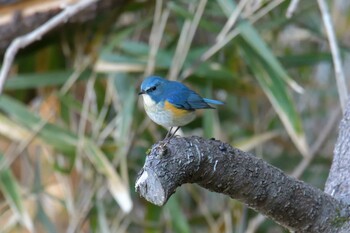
pixel 37 34
pixel 337 61
pixel 292 8
pixel 22 16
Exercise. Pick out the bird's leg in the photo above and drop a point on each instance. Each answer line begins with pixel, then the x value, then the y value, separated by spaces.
pixel 169 133
pixel 167 139
pixel 175 131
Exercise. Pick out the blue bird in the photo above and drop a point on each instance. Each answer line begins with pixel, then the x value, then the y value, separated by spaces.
pixel 170 103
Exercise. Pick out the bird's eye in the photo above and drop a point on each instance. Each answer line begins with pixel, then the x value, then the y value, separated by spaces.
pixel 152 89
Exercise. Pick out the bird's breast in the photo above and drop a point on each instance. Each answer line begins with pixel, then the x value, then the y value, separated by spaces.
pixel 166 114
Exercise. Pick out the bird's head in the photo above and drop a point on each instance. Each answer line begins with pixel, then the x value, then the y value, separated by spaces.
pixel 153 89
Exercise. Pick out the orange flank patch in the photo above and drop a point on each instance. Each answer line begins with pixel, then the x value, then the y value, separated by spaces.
pixel 177 112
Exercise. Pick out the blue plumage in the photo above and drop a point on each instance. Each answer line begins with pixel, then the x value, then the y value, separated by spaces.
pixel 210 101
pixel 158 93
pixel 176 93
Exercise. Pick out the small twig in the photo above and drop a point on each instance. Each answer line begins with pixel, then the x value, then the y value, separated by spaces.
pixel 88 99
pixel 255 223
pixel 179 51
pixel 265 10
pixel 291 8
pixel 252 7
pixel 232 20
pixel 37 34
pixel 84 204
pixel 203 209
pixel 159 21
pixel 184 47
pixel 333 119
pixel 229 36
pixel 339 72
pixel 14 151
pixel 97 127
pixel 74 76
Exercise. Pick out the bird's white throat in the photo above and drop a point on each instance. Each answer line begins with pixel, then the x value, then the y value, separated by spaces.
pixel 147 100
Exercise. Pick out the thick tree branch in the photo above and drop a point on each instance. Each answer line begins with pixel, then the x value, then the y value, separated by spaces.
pixel 219 167
pixel 338 182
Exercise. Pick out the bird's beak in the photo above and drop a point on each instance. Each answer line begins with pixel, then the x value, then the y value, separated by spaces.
pixel 142 92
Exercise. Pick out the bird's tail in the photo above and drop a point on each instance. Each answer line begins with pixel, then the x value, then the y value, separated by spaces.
pixel 210 101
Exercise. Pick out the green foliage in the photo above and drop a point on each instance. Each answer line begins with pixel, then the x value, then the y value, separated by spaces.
pixel 11 190
pixel 83 135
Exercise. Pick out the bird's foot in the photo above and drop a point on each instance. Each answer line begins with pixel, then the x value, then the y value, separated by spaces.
pixel 162 146
pixel 161 149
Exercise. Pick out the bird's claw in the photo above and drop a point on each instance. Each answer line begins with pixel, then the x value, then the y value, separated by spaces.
pixel 161 149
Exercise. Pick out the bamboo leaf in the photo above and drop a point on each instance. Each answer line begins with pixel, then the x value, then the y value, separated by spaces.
pixel 178 220
pixel 252 37
pixel 254 141
pixel 65 141
pixel 34 80
pixel 278 94
pixel 115 184
pixel 11 190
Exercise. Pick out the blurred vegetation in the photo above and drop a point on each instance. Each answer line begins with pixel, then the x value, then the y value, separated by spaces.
pixel 73 132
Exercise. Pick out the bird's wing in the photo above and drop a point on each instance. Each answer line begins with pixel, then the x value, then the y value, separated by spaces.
pixel 187 99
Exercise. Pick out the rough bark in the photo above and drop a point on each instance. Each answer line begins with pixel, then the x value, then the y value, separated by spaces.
pixel 219 167
pixel 20 24
pixel 338 182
